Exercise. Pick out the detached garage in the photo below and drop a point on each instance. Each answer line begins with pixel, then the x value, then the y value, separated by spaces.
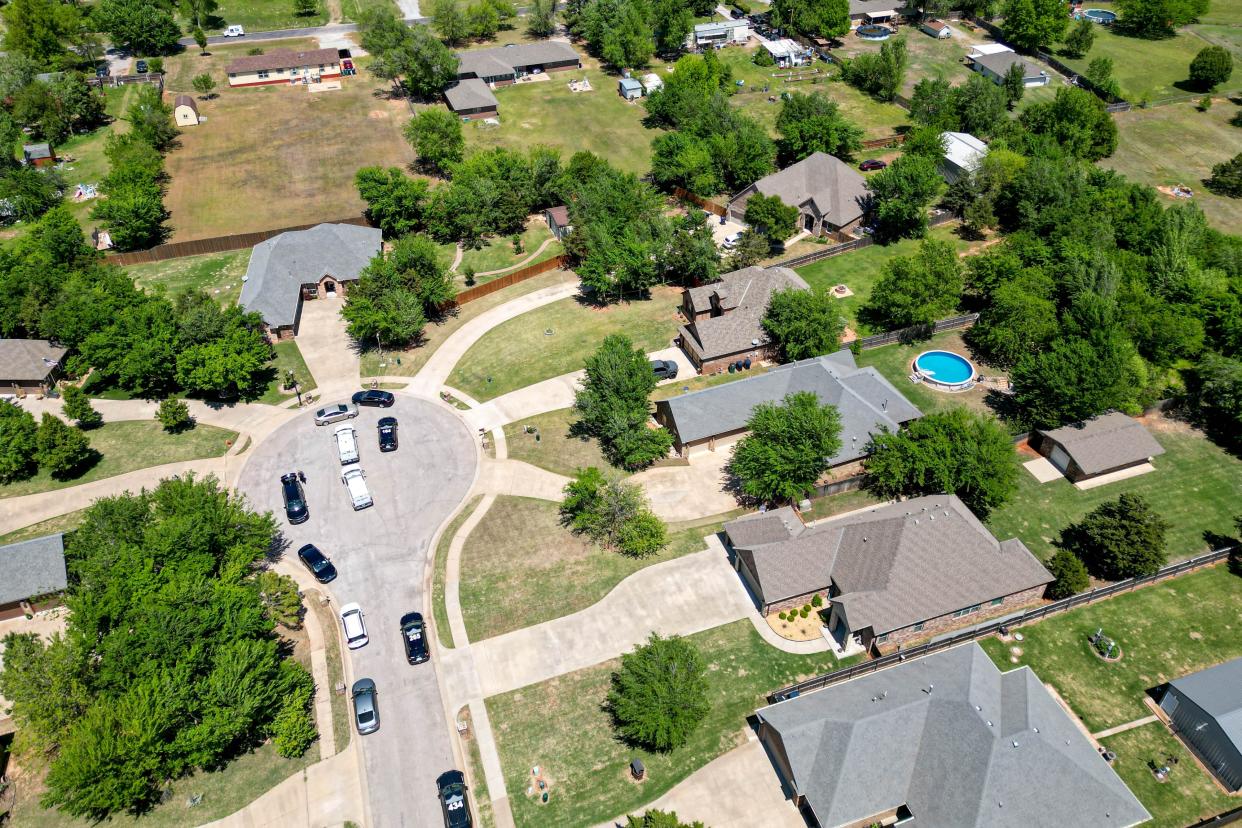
pixel 1104 445
pixel 1206 711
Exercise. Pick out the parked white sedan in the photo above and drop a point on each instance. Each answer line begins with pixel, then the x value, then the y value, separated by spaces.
pixel 355 480
pixel 355 628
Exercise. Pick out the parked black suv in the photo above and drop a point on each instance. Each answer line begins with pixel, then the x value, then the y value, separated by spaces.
pixel 414 637
pixel 452 788
pixel 664 368
pixel 317 563
pixel 295 499
pixel 388 434
pixel 375 397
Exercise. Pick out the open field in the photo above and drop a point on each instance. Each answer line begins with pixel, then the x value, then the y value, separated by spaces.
pixel 556 449
pixel 521 567
pixel 929 57
pixel 130 445
pixel 894 362
pixel 1165 630
pixel 561 726
pixel 352 9
pixel 1196 487
pixel 1176 144
pixel 263 15
pixel 275 156
pixel 219 274
pixel 520 352
pixel 61 523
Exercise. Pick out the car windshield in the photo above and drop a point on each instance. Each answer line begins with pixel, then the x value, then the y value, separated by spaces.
pixel 366 717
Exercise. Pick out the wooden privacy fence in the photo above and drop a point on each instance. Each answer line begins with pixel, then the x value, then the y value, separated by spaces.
pixel 219 244
pixel 895 138
pixel 502 282
pixel 984 630
pixel 953 323
pixel 710 206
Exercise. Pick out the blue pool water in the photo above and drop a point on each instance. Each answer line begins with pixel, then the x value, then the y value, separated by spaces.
pixel 1100 16
pixel 944 367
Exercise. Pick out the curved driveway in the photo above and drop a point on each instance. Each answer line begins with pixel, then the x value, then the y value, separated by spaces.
pixel 381 554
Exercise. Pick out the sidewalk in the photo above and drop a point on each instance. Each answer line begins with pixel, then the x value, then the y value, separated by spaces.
pixel 325 794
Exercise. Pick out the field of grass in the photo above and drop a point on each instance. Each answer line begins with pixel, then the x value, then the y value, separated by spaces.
pixel 561 726
pixel 61 523
pixel 130 445
pixel 837 504
pixel 439 611
pixel 1185 797
pixel 556 449
pixel 288 358
pixel 275 156
pixel 1228 12
pixel 1164 630
pixel 520 567
pixel 1196 487
pixel 893 361
pixel 929 57
pixel 263 15
pixel 1176 144
pixel 220 274
pixel 520 352
pixel 352 9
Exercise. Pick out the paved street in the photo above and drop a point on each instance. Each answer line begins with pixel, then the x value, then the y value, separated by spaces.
pixel 381 554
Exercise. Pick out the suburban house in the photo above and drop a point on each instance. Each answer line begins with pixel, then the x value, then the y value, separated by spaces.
pixel 993 62
pixel 185 111
pixel 864 12
pixel 936 28
pixel 630 88
pixel 894 574
pixel 962 154
pixel 506 64
pixel 718 33
pixel 38 155
pixel 943 740
pixel 31 569
pixel 29 366
pixel 828 193
pixel 1106 444
pixel 558 221
pixel 1205 709
pixel 724 319
pixel 304 264
pixel 285 66
pixel 715 417
pixel 786 52
pixel 471 99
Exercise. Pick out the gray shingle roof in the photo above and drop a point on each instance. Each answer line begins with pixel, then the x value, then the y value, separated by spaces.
pixel 861 7
pixel 895 565
pixel 1000 62
pixel 866 401
pixel 744 294
pixel 33 152
pixel 1105 442
pixel 32 568
pixel 28 359
pixel 282 264
pixel 836 189
pixel 866 746
pixel 1218 690
pixel 505 59
pixel 471 93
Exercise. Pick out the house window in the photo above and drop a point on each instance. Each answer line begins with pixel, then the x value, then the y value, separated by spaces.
pixel 967 611
pixel 918 627
pixel 262 74
pixel 996 602
pixel 882 639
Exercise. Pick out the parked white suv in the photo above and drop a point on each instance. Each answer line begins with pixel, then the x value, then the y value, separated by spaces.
pixel 355 481
pixel 355 627
pixel 347 444
pixel 234 31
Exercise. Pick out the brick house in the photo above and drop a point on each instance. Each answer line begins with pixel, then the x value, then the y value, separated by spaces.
pixel 828 193
pixel 893 574
pixel 285 66
pixel 724 319
pixel 29 366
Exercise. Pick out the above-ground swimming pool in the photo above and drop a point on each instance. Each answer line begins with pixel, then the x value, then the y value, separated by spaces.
pixel 1101 16
pixel 873 32
pixel 945 370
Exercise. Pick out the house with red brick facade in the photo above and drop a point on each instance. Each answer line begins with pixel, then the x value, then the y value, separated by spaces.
pixel 892 575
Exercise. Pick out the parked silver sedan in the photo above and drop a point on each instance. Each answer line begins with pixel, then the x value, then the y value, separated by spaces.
pixel 335 413
pixel 366 712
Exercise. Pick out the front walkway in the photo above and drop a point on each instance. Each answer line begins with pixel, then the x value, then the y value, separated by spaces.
pixel 327 793
pixel 329 352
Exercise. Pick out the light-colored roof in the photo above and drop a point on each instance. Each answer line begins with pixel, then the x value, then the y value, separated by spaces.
pixel 719 26
pixel 283 59
pixel 471 93
pixel 963 150
pixel 282 264
pixel 953 739
pixel 28 359
pixel 185 100
pixel 860 7
pixel 866 401
pixel 630 83
pixel 988 49
pixel 32 568
pixel 835 189
pixel 1105 442
pixel 783 47
pixel 744 295
pixel 895 565
pixel 651 80
pixel 1218 690
pixel 1000 62
pixel 33 151
pixel 505 60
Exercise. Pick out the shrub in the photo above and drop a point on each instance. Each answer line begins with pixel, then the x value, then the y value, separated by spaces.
pixel 1204 104
pixel 782 616
pixel 174 415
pixel 61 448
pixel 1070 573
pixel 659 696
pixel 817 601
pixel 1226 178
pixel 763 58
pixel 1122 538
pixel 806 608
pixel 17 442
pixel 804 612
pixel 293 729
pixel 78 407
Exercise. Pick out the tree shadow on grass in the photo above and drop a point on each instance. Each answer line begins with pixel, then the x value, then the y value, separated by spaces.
pixel 90 462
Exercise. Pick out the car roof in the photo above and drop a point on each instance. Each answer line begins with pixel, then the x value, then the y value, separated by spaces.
pixel 388 421
pixel 310 549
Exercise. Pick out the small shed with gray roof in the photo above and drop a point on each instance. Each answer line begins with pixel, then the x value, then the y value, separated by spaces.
pixel 828 193
pixel 29 366
pixel 943 741
pixel 29 570
pixel 471 99
pixel 1103 445
pixel 317 263
pixel 1206 711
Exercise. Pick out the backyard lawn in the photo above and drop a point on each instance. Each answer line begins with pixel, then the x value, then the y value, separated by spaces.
pixel 521 567
pixel 496 257
pixel 556 339
pixel 555 449
pixel 288 358
pixel 561 726
pixel 130 445
pixel 929 57
pixel 894 362
pixel 220 274
pixel 1196 487
pixel 89 165
pixel 1165 630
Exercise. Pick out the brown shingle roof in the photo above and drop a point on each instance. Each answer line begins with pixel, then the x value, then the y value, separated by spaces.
pixel 185 100
pixel 835 189
pixel 283 59
pixel 744 293
pixel 1105 442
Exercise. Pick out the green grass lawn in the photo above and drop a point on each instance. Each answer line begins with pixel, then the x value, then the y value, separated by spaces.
pixel 894 362
pixel 520 352
pixel 89 165
pixel 1196 487
pixel 1176 144
pixel 61 523
pixel 521 567
pixel 1188 794
pixel 130 445
pixel 555 449
pixel 265 15
pixel 352 9
pixel 1165 630
pixel 929 57
pixel 498 253
pixel 1223 11
pixel 687 383
pixel 837 504
pixel 561 726
pixel 288 358
pixel 439 611
pixel 478 780
pixel 219 274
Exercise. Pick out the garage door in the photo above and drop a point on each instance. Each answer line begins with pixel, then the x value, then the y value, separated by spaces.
pixel 1059 458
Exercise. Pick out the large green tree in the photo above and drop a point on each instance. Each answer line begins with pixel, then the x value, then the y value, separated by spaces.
pixel 1120 538
pixel 813 123
pixel 613 404
pixel 659 695
pixel 1074 379
pixel 1158 18
pixel 409 55
pixel 918 289
pixel 77 406
pixel 436 136
pixel 788 446
pixel 813 18
pixel 901 195
pixel 659 819
pixel 1070 574
pixel 41 30
pixel 1211 67
pixel 803 323
pixel 144 27
pixel 1077 121
pixel 1080 39
pixel 397 292
pixel 771 218
pixel 395 201
pixel 612 513
pixel 18 442
pixel 1030 24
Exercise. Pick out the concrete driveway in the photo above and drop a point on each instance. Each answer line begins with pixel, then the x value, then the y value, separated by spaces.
pixel 690 492
pixel 329 352
pixel 381 554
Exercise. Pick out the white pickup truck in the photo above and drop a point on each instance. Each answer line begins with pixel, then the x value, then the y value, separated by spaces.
pixel 355 481
pixel 347 444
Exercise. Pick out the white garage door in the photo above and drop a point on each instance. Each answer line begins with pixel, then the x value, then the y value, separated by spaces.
pixel 1059 458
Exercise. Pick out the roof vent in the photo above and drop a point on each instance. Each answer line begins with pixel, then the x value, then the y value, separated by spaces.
pixel 978 708
pixel 1015 743
pixel 946 512
pixel 989 723
pixel 864 538
pixel 916 521
pixel 931 517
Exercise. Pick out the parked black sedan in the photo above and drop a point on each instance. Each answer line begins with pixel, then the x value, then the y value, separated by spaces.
pixel 295 499
pixel 374 397
pixel 414 637
pixel 317 563
pixel 452 788
pixel 388 434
